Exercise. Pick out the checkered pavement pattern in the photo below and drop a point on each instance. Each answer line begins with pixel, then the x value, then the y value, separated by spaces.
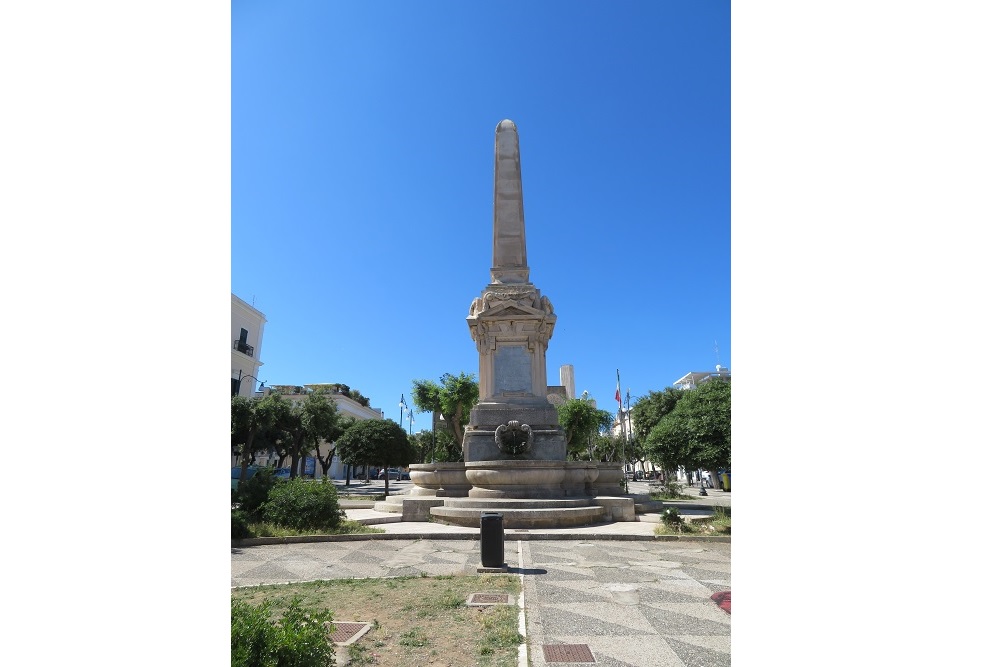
pixel 631 603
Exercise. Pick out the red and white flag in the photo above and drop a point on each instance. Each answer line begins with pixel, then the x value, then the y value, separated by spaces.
pixel 618 391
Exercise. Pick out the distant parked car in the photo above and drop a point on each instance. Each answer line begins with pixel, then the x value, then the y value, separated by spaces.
pixel 393 473
pixel 251 471
pixel 283 473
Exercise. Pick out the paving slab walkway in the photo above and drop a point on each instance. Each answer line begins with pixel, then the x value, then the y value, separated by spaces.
pixel 612 591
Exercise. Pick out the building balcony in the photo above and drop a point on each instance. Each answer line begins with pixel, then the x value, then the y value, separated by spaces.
pixel 241 346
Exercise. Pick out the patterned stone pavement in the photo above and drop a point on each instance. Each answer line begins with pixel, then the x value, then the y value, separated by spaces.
pixel 642 604
pixel 632 603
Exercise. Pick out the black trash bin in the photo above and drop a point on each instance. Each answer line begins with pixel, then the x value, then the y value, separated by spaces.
pixel 491 539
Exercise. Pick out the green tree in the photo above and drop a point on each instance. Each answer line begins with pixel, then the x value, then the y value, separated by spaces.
pixel 342 389
pixel 606 448
pixel 669 444
pixel 321 422
pixel 697 433
pixel 446 448
pixel 249 418
pixel 648 410
pixel 581 422
pixel 304 427
pixel 334 430
pixel 646 413
pixel 423 446
pixel 454 398
pixel 371 440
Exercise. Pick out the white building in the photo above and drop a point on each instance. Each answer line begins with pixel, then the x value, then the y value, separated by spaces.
pixel 693 379
pixel 247 336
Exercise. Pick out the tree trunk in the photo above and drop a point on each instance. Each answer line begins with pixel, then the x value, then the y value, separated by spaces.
pixel 295 465
pixel 247 455
pixel 325 462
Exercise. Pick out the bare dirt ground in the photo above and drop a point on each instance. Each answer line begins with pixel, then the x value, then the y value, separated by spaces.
pixel 415 620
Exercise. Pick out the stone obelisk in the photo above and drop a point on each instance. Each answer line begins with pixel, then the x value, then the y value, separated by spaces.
pixel 511 323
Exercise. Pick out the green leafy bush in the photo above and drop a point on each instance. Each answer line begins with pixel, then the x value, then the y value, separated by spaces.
pixel 304 505
pixel 672 518
pixel 299 638
pixel 668 490
pixel 240 523
pixel 252 493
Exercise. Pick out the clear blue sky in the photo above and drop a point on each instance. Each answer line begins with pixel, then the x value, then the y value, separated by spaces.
pixel 362 185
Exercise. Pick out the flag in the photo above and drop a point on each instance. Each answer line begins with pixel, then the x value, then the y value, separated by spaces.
pixel 618 390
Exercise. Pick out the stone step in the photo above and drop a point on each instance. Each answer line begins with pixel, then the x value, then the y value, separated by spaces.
pixel 558 517
pixel 356 504
pixel 505 504
pixel 371 517
pixel 389 505
pixel 649 507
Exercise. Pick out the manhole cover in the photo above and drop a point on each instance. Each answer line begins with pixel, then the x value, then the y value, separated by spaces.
pixel 486 599
pixel 567 653
pixel 347 633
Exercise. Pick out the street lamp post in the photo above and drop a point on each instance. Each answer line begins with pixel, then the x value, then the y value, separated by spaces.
pixel 239 380
pixel 628 431
pixel 402 404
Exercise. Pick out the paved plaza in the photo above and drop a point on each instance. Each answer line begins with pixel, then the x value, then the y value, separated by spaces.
pixel 611 592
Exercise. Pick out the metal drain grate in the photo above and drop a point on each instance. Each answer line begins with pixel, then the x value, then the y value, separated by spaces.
pixel 347 633
pixel 567 653
pixel 488 599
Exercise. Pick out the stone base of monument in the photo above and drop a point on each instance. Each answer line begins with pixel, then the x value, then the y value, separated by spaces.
pixel 439 479
pixel 523 513
pixel 412 508
pixel 519 479
pixel 617 509
pixel 530 493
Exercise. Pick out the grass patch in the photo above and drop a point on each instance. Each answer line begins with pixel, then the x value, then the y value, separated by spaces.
pixel 346 527
pixel 719 523
pixel 499 628
pixel 415 620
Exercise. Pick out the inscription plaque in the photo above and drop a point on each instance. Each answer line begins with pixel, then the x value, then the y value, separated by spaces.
pixel 512 370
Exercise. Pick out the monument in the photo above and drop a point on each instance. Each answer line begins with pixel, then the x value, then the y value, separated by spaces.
pixel 511 323
pixel 514 450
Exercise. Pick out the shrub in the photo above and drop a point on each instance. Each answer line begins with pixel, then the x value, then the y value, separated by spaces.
pixel 252 493
pixel 672 518
pixel 304 505
pixel 299 637
pixel 240 527
pixel 668 490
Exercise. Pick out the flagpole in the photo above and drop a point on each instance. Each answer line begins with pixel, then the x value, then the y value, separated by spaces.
pixel 628 433
pixel 621 420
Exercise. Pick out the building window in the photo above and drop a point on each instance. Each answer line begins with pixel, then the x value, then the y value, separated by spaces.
pixel 241 344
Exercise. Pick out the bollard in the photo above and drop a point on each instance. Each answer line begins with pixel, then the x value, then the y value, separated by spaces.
pixel 491 539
